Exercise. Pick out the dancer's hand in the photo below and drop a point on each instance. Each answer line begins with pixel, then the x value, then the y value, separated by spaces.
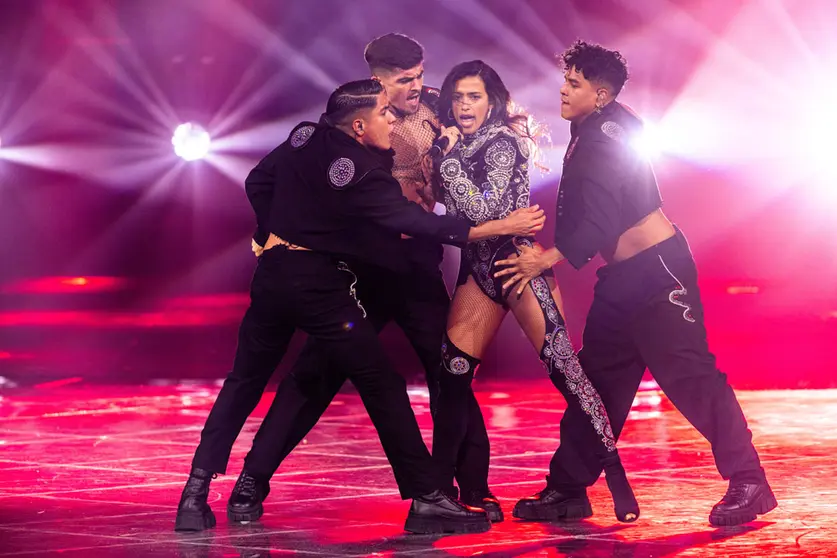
pixel 525 221
pixel 522 267
pixel 256 248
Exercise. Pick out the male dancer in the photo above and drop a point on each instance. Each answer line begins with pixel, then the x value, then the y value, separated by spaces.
pixel 331 180
pixel 416 300
pixel 646 308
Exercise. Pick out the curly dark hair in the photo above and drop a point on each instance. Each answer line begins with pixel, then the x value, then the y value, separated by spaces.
pixel 393 51
pixel 598 64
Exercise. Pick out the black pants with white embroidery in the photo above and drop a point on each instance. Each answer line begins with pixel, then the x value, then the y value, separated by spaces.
pixel 647 313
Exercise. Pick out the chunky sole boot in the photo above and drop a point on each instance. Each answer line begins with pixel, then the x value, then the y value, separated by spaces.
pixel 438 513
pixel 193 511
pixel 487 501
pixel 743 504
pixel 569 509
pixel 245 502
pixel 421 524
pixel 240 515
pixel 194 521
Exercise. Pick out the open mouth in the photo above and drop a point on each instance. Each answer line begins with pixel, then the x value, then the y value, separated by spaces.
pixel 466 120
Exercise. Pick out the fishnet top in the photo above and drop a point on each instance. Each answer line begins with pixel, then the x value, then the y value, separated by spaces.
pixel 412 136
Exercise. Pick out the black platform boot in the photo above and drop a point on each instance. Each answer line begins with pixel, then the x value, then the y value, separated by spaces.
pixel 551 504
pixel 438 513
pixel 245 503
pixel 486 500
pixel 193 512
pixel 742 503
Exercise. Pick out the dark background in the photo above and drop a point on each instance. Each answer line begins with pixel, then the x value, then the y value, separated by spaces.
pixel 119 262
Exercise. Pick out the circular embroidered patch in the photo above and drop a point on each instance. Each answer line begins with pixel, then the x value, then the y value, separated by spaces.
pixel 459 366
pixel 301 136
pixel 340 172
pixel 613 130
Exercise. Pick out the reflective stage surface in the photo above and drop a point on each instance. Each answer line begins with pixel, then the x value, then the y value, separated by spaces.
pixel 97 471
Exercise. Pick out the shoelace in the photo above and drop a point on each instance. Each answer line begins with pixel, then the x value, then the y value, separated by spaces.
pixel 197 486
pixel 246 486
pixel 735 492
pixel 543 492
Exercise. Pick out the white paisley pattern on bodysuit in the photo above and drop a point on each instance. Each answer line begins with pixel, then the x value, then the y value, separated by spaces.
pixel 486 177
pixel 558 354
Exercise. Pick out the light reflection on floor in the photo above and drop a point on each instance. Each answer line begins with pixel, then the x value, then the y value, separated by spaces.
pixel 97 471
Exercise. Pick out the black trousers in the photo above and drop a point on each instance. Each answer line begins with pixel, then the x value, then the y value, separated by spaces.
pixel 309 291
pixel 418 303
pixel 646 312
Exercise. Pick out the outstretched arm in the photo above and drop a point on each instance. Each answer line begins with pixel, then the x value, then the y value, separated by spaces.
pixel 379 198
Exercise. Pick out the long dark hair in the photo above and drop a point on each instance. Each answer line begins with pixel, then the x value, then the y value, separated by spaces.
pixel 504 111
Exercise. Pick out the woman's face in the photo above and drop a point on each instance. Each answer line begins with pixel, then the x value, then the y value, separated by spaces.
pixel 470 104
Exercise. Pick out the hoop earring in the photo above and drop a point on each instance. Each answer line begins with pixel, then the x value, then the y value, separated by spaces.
pixel 598 108
pixel 488 116
pixel 450 114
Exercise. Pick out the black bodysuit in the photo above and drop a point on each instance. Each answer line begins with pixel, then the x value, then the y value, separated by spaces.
pixel 483 178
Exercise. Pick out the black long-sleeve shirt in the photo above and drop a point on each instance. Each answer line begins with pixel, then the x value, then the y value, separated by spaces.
pixel 323 190
pixel 606 186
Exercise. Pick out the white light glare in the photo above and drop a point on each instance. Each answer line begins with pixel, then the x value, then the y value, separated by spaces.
pixel 190 141
pixel 648 143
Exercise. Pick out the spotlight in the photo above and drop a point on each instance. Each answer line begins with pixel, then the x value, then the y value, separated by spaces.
pixel 648 143
pixel 190 141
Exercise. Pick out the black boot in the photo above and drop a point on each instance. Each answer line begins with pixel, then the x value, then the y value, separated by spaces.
pixel 438 513
pixel 484 499
pixel 742 503
pixel 245 503
pixel 452 492
pixel 193 512
pixel 624 502
pixel 554 505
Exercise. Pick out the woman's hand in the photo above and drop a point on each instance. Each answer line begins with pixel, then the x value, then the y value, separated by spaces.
pixel 524 222
pixel 453 134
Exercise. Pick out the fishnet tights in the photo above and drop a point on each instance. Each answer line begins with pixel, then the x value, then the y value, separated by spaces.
pixel 474 318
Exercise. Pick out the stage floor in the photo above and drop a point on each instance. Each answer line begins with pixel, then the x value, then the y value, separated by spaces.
pixel 97 471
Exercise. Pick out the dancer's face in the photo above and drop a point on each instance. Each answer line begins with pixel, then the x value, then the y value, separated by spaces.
pixel 374 125
pixel 579 96
pixel 470 103
pixel 403 87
